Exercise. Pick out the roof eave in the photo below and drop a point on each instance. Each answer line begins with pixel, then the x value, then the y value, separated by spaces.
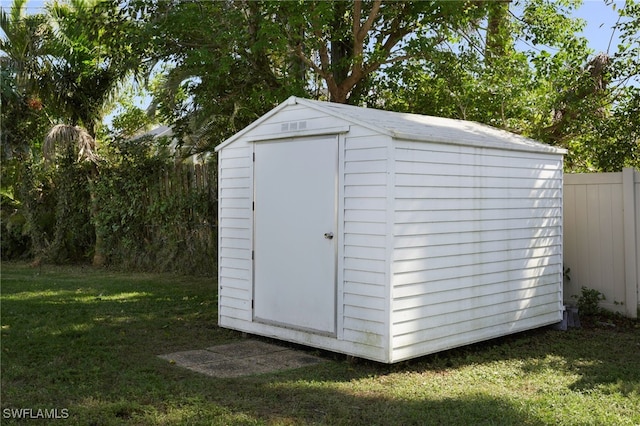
pixel 539 147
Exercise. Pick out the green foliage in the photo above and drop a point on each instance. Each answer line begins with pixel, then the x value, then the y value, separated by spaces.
pixel 155 214
pixel 57 211
pixel 520 66
pixel 588 301
pixel 14 243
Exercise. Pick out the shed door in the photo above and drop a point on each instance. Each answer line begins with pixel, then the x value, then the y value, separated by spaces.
pixel 295 182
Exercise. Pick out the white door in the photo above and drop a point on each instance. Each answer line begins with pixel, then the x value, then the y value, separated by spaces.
pixel 295 183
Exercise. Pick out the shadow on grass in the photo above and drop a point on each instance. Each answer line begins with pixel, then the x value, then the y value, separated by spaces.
pixel 88 342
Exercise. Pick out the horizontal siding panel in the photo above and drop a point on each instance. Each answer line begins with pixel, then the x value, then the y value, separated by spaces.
pixel 431 251
pixel 368 265
pixel 461 321
pixel 410 309
pixel 235 213
pixel 474 226
pixel 365 314
pixel 365 204
pixel 239 283
pixel 242 274
pixel 234 203
pixel 368 228
pixel 368 289
pixel 244 193
pixel 235 293
pixel 475 182
pixel 417 295
pixel 364 277
pixel 411 216
pixel 473 270
pixel 447 154
pixel 476 332
pixel 240 243
pixel 471 282
pixel 366 154
pixel 375 216
pixel 363 338
pixel 366 140
pixel 365 326
pixel 476 258
pixel 436 240
pixel 227 262
pixel 243 223
pixel 238 172
pixel 375 166
pixel 237 150
pixel 444 171
pixel 365 240
pixel 431 192
pixel 366 252
pixel 236 182
pixel 362 301
pixel 236 253
pixel 474 204
pixel 240 233
pixel 369 191
pixel 240 304
pixel 230 312
pixel 235 162
pixel 365 179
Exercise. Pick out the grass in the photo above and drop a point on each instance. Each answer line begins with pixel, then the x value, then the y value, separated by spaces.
pixel 86 341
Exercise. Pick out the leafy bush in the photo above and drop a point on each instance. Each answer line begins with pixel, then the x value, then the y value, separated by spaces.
pixel 15 239
pixel 588 301
pixel 57 211
pixel 151 215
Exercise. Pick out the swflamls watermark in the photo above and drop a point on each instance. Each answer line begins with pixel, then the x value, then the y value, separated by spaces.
pixel 35 413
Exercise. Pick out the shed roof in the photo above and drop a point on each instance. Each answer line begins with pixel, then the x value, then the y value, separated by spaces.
pixel 414 127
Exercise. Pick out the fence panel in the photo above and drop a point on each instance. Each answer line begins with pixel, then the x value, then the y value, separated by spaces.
pixel 602 237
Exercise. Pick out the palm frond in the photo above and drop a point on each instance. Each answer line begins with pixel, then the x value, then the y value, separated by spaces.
pixel 64 137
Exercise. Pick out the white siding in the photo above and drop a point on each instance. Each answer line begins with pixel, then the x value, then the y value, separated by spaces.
pixel 438 244
pixel 365 287
pixel 477 245
pixel 234 221
pixel 295 120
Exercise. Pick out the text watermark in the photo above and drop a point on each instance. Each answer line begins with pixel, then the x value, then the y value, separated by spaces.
pixel 35 413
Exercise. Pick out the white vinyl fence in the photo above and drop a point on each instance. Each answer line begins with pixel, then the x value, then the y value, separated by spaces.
pixel 602 237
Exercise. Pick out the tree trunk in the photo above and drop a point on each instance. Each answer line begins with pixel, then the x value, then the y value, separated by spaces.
pixel 498 37
pixel 341 51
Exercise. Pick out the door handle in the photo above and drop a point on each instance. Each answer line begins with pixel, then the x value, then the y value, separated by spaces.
pixel 328 235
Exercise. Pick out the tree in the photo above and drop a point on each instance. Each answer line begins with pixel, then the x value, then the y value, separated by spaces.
pixel 531 73
pixel 23 62
pixel 344 43
pixel 246 56
pixel 221 74
pixel 63 66
pixel 92 59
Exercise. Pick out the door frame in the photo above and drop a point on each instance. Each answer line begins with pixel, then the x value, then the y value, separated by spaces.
pixel 339 133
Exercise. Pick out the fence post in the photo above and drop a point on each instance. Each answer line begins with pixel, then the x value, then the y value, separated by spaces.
pixel 631 227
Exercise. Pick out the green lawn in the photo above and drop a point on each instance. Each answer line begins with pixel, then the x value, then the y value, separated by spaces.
pixel 84 342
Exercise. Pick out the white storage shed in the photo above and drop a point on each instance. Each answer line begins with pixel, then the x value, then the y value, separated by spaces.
pixel 386 236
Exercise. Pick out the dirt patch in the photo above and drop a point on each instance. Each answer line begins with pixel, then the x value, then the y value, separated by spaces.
pixel 242 359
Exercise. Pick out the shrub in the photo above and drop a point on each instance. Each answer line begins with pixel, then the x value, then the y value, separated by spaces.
pixel 588 301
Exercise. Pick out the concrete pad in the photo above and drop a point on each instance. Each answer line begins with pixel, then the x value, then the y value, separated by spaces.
pixel 247 348
pixel 244 358
pixel 195 357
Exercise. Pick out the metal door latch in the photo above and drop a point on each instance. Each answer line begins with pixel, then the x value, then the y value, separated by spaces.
pixel 328 235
